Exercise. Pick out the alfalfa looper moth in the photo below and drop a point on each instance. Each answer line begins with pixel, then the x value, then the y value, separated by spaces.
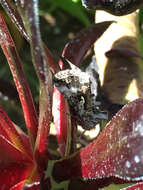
pixel 81 90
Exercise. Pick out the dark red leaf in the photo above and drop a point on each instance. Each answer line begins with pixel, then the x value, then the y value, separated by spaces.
pixel 75 50
pixel 51 60
pixel 14 134
pixel 116 7
pixel 22 86
pixel 124 52
pixel 117 152
pixel 64 124
pixel 16 160
pixel 18 186
pixel 11 154
pixel 14 164
pixel 11 10
pixel 13 174
pixel 60 119
pixel 30 16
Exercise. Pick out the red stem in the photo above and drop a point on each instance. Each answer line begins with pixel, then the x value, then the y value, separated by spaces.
pixel 23 89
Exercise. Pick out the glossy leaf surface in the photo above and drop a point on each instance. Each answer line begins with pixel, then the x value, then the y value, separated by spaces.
pixel 20 185
pixel 75 50
pixel 123 52
pixel 40 62
pixel 21 84
pixel 16 160
pixel 115 7
pixel 13 174
pixel 14 135
pixel 11 10
pixel 60 119
pixel 117 152
pixel 14 164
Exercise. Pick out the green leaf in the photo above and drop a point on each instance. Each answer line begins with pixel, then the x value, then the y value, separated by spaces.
pixel 74 9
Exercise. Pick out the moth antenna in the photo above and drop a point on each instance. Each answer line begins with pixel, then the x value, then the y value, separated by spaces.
pixel 65 62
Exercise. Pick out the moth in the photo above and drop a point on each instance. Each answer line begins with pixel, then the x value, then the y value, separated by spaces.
pixel 81 90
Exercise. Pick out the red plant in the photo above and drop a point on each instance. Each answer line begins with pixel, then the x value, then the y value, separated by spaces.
pixel 25 162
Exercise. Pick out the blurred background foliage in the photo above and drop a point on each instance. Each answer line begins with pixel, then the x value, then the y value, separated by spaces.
pixel 60 21
pixel 72 7
pixel 141 28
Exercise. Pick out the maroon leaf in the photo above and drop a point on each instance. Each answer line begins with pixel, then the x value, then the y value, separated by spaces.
pixel 14 134
pixel 23 89
pixel 12 153
pixel 124 52
pixel 18 186
pixel 14 164
pixel 11 10
pixel 116 7
pixel 31 22
pixel 75 50
pixel 60 119
pixel 117 152
pixel 51 60
pixel 12 174
pixel 64 124
pixel 16 159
